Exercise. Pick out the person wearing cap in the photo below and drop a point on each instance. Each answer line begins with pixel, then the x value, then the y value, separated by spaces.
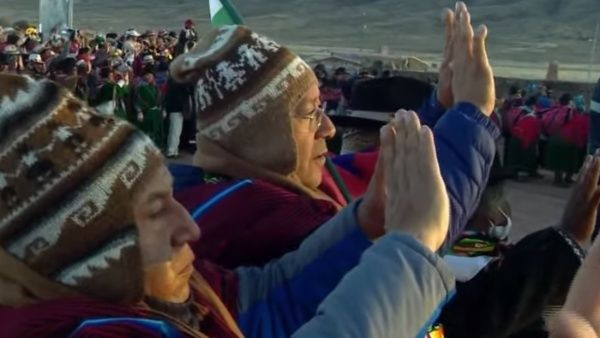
pixel 102 53
pixel 13 60
pixel 187 34
pixel 11 39
pixel 132 34
pixel 261 149
pixel 187 37
pixel 36 66
pixel 112 96
pixel 93 244
pixel 78 83
pixel 143 61
pixel 150 36
pixel 148 59
pixel 46 54
pixel 147 102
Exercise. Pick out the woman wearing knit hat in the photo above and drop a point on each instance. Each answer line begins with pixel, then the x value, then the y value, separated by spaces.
pixel 262 143
pixel 92 243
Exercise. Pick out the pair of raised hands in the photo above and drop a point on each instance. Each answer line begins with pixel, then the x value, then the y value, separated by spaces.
pixel 580 316
pixel 407 192
pixel 465 73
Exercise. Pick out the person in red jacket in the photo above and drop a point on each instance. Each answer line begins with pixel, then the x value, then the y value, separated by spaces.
pixel 561 154
pixel 525 129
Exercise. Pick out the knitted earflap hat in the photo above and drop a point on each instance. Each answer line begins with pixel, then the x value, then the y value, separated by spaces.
pixel 246 88
pixel 66 180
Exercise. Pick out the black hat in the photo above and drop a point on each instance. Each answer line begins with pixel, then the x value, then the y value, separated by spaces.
pixel 340 71
pixel 374 101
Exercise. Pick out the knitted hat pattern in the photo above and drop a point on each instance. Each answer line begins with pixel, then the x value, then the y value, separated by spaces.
pixel 246 88
pixel 66 181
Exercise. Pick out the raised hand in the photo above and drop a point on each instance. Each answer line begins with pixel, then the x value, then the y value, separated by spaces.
pixel 579 216
pixel 472 76
pixel 444 90
pixel 417 201
pixel 371 212
pixel 580 316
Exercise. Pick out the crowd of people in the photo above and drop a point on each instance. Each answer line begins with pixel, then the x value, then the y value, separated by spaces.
pixel 125 75
pixel 541 132
pixel 267 234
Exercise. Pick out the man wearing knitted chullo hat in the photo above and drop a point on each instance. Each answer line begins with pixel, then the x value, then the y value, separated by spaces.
pixel 262 143
pixel 93 244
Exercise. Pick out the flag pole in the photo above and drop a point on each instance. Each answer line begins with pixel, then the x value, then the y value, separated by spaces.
pixel 237 18
pixel 593 52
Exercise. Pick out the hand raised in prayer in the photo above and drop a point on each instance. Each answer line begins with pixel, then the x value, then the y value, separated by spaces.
pixel 580 316
pixel 579 216
pixel 371 212
pixel 472 76
pixel 444 90
pixel 417 201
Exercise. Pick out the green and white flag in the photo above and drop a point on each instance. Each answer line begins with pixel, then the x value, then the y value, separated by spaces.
pixel 222 13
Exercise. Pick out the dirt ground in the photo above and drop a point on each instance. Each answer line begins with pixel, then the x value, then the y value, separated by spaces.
pixel 535 205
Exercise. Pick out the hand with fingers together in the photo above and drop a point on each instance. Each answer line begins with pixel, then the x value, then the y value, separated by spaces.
pixel 580 316
pixel 579 216
pixel 416 198
pixel 472 76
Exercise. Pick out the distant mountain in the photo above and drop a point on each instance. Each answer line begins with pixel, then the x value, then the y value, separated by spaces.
pixel 520 30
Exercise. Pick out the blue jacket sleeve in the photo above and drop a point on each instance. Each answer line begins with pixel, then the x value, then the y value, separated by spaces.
pixel 431 110
pixel 277 299
pixel 465 146
pixel 594 140
pixel 397 290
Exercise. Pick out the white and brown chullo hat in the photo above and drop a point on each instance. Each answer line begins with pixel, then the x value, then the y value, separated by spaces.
pixel 66 180
pixel 246 87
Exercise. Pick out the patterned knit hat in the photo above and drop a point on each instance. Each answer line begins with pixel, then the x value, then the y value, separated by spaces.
pixel 246 88
pixel 66 180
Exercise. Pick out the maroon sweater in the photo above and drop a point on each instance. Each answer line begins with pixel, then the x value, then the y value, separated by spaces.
pixel 236 229
pixel 262 221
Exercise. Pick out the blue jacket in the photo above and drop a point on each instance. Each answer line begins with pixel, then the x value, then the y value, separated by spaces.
pixel 397 288
pixel 282 296
pixel 465 146
pixel 594 140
